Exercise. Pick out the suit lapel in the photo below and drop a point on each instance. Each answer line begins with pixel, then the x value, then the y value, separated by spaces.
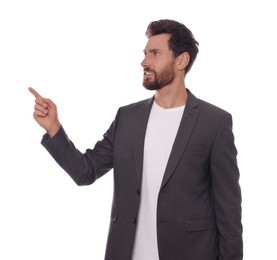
pixel 142 115
pixel 184 132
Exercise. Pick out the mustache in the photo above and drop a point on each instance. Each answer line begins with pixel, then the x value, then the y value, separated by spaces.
pixel 149 70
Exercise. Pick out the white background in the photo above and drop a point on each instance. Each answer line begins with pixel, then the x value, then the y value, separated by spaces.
pixel 85 56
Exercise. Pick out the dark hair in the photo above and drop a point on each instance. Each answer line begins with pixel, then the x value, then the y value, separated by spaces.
pixel 181 39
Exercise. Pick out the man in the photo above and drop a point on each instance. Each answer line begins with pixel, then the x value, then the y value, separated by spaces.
pixel 176 190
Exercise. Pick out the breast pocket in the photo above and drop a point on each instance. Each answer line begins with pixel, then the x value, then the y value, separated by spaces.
pixel 196 149
pixel 200 224
pixel 196 158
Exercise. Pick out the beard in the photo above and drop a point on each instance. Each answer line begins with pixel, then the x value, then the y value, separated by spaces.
pixel 162 79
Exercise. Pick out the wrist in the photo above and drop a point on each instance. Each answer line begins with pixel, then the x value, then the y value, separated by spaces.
pixel 54 129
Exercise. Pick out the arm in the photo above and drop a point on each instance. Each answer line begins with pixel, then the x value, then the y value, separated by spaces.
pixel 84 168
pixel 226 192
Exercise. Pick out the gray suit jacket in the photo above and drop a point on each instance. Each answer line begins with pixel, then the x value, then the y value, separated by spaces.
pixel 199 203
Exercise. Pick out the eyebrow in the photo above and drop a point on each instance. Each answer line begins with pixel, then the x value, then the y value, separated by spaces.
pixel 150 51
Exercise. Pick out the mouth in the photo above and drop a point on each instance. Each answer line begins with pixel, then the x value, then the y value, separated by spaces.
pixel 148 74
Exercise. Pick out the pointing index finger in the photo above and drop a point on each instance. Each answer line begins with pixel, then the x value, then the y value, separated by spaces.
pixel 36 94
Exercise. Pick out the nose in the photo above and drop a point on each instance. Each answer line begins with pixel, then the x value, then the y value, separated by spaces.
pixel 144 63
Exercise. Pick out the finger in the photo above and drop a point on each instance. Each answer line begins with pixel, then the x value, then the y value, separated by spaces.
pixel 41 102
pixel 39 99
pixel 38 114
pixel 48 103
pixel 41 109
pixel 45 102
pixel 36 94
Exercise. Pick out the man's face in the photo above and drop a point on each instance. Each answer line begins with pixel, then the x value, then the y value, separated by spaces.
pixel 158 63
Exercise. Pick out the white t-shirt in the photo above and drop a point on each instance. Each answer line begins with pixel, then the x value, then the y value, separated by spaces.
pixel 161 131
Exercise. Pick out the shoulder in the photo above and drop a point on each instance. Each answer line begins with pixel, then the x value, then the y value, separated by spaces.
pixel 209 116
pixel 205 108
pixel 140 103
pixel 136 105
pixel 127 113
pixel 208 108
pixel 213 116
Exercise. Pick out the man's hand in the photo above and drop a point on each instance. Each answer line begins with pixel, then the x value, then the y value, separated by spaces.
pixel 45 113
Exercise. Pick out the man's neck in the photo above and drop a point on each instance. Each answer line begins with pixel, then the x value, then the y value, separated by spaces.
pixel 169 97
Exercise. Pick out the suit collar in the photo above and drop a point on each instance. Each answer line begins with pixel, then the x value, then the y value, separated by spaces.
pixel 182 138
pixel 142 115
pixel 184 132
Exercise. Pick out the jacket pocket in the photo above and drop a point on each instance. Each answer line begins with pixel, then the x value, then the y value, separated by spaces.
pixel 200 224
pixel 196 148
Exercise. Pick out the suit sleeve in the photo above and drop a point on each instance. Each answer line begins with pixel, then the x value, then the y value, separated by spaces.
pixel 83 168
pixel 226 192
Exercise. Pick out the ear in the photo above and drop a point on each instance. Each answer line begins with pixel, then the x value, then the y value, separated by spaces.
pixel 183 60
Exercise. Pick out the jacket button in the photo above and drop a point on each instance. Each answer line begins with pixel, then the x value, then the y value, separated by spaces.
pixel 138 191
pixel 114 218
pixel 134 221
